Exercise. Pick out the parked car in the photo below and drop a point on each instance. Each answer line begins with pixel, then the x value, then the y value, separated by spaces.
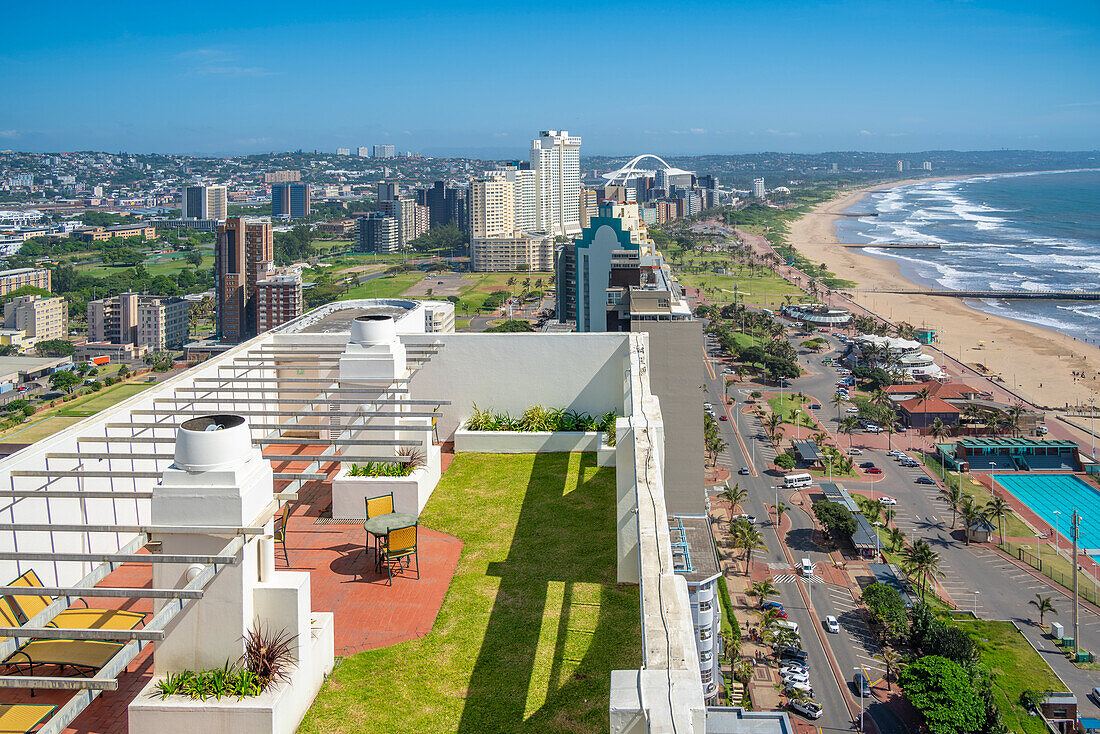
pixel 815 406
pixel 744 470
pixel 781 614
pixel 867 465
pixel 803 688
pixel 887 500
pixel 855 452
pixel 895 453
pixel 723 417
pixel 925 480
pixel 707 406
pixel 792 667
pixel 861 685
pixel 832 624
pixel 792 678
pixel 771 605
pixel 872 428
pixel 910 463
pixel 809 709
pixel 873 470
pixel 792 653
pixel 853 410
pixel 745 516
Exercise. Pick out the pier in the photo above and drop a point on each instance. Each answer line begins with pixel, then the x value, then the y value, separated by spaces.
pixel 1004 295
pixel 895 246
pixel 851 214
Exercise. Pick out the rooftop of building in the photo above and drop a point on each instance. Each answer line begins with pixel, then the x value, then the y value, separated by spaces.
pixel 1006 442
pixel 693 551
pixel 932 404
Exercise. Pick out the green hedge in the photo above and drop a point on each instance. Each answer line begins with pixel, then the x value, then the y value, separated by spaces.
pixel 728 620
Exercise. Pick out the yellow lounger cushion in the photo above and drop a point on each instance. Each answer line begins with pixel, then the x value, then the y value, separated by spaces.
pixel 20 718
pixel 97 619
pixel 81 653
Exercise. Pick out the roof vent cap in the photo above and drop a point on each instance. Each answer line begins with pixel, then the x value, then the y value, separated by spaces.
pixel 212 442
pixel 373 329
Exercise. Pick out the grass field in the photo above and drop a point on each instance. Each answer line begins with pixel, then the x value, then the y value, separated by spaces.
pixel 48 422
pixel 1014 667
pixel 388 286
pixel 533 622
pixel 766 290
pixel 482 284
pixel 160 265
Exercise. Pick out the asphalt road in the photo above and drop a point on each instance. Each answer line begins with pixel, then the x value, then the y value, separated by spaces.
pixel 853 646
pixel 1003 590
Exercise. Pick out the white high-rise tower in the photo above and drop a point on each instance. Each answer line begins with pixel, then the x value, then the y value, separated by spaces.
pixel 556 162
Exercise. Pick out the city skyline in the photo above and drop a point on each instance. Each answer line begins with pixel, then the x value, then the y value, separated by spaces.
pixel 782 77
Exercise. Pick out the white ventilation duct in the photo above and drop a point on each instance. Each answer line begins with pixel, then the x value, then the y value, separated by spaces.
pixel 212 442
pixel 373 353
pixel 373 329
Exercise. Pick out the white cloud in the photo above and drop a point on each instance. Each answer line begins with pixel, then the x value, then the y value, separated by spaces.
pixel 698 131
pixel 217 62
pixel 865 132
pixel 9 133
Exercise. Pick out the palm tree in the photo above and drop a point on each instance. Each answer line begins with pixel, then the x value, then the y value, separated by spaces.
pixel 921 562
pixel 954 497
pixel 922 396
pixel 1015 413
pixel 896 539
pixel 772 424
pixel 781 509
pixel 971 513
pixel 939 430
pixel 837 401
pixel 762 590
pixel 873 510
pixel 734 495
pixel 999 508
pixel 748 539
pixel 891 660
pixel 1044 605
pixel 848 425
pixel 888 515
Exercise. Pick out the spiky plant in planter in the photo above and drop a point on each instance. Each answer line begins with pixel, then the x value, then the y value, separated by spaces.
pixel 269 655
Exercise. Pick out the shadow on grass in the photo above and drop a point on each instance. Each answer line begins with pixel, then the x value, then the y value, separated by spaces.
pixel 536 670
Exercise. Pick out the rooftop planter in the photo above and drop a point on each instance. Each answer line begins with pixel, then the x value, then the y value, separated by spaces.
pixel 411 483
pixel 538 430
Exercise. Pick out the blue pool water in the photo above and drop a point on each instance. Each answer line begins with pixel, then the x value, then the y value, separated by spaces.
pixel 1045 493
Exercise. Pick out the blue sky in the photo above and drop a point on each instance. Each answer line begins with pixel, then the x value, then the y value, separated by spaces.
pixel 483 78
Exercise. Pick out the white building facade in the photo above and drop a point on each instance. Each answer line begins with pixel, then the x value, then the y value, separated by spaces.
pixel 556 163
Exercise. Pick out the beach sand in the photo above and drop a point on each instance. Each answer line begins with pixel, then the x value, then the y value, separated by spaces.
pixel 1038 361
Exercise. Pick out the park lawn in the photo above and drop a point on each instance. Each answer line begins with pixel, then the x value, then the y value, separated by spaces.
pixel 1014 667
pixel 388 286
pixel 47 422
pixel 769 290
pixel 1014 526
pixel 789 406
pixel 161 265
pixel 462 322
pixel 533 622
pixel 481 285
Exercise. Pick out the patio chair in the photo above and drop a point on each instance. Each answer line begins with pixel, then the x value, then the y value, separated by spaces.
pixel 280 533
pixel 381 505
pixel 83 656
pixel 22 718
pixel 28 605
pixel 400 548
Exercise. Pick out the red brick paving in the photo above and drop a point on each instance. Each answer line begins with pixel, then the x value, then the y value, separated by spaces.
pixel 368 613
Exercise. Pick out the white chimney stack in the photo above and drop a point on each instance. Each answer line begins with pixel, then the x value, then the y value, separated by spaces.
pixel 373 353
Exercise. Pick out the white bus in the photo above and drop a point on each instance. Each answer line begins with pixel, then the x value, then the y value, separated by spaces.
pixel 797 480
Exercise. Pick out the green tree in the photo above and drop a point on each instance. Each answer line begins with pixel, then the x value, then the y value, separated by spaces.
pixel 734 495
pixel 921 562
pixel 999 508
pixel 64 380
pixel 887 609
pixel 784 461
pixel 762 590
pixel 835 518
pixel 781 509
pixel 942 690
pixel 55 348
pixel 194 257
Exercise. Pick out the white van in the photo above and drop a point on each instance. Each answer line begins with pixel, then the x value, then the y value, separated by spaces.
pixel 787 625
pixel 797 480
pixel 807 567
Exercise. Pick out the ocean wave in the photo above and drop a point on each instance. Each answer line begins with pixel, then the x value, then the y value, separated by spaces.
pixel 1091 311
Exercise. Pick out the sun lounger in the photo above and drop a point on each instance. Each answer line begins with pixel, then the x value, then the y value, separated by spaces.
pixel 31 604
pixel 83 656
pixel 22 718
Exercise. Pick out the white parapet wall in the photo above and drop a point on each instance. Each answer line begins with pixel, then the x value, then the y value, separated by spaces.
pixel 525 442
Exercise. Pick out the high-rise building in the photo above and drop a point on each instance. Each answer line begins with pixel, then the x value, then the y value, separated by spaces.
pixel 446 205
pixel 290 200
pixel 492 208
pixel 383 151
pixel 363 151
pixel 412 218
pixel 556 162
pixel 901 166
pixel 377 232
pixel 152 322
pixel 758 190
pixel 273 177
pixel 927 165
pixel 388 190
pixel 588 206
pixel 39 318
pixel 524 201
pixel 278 298
pixel 343 151
pixel 243 255
pixel 204 202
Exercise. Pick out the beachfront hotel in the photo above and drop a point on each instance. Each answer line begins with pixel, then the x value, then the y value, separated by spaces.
pixel 221 501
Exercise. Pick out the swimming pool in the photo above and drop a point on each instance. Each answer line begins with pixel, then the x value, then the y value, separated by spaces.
pixel 1045 493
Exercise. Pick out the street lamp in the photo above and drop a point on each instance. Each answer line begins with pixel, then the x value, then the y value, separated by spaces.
pixel 974 610
pixel 1039 551
pixel 878 540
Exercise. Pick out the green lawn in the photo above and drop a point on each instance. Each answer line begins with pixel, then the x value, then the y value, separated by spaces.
pixel 156 265
pixel 789 406
pixel 388 286
pixel 1014 667
pixel 533 622
pixel 766 290
pixel 47 422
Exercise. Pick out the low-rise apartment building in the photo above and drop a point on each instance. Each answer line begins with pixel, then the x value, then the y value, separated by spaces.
pixel 278 299
pixel 39 318
pixel 144 230
pixel 154 322
pixel 11 280
pixel 520 251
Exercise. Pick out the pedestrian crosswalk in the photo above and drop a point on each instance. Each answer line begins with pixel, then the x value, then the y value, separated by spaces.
pixel 790 578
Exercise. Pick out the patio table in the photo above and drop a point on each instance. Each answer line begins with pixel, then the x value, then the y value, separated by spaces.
pixel 382 525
